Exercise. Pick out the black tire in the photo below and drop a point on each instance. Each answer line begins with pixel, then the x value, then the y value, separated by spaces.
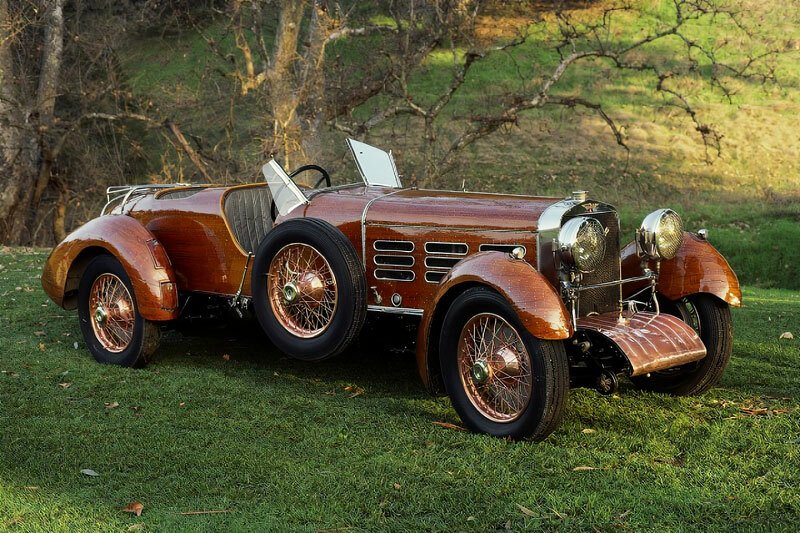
pixel 548 364
pixel 146 334
pixel 711 318
pixel 351 307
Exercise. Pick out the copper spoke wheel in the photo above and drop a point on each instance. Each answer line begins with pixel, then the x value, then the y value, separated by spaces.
pixel 302 290
pixel 495 367
pixel 111 312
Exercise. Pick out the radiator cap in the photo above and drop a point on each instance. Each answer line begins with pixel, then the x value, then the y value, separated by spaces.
pixel 579 196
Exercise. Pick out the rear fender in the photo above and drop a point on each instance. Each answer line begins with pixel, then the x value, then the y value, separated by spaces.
pixel 530 294
pixel 142 256
pixel 698 268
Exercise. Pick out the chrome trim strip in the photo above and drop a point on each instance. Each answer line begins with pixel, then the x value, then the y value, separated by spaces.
pixel 465 245
pixel 376 256
pixel 413 274
pixel 124 192
pixel 395 310
pixel 364 225
pixel 454 228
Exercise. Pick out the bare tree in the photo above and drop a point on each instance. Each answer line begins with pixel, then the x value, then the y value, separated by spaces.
pixel 27 103
pixel 300 84
pixel 63 96
pixel 577 42
pixel 329 67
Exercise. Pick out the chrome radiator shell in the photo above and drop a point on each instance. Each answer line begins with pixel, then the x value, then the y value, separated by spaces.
pixel 598 300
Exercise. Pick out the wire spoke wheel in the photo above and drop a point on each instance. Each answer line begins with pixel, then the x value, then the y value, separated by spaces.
pixel 302 290
pixel 495 367
pixel 112 312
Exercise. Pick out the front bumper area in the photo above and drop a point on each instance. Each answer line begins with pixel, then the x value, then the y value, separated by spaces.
pixel 649 341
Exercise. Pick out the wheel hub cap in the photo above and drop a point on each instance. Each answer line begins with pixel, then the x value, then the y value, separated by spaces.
pixel 100 315
pixel 480 372
pixel 290 292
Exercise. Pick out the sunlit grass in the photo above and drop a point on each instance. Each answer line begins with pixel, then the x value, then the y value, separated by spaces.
pixel 287 445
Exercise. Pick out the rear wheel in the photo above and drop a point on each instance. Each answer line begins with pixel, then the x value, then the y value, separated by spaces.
pixel 500 378
pixel 309 291
pixel 112 327
pixel 710 317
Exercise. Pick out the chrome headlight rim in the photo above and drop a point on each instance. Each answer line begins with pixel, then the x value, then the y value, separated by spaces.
pixel 661 234
pixel 582 244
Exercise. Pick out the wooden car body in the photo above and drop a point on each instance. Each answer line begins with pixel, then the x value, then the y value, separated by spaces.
pixel 418 249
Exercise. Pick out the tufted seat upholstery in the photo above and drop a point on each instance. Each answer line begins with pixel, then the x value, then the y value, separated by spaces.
pixel 248 212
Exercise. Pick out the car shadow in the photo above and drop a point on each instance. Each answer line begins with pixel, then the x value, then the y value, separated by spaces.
pixel 381 360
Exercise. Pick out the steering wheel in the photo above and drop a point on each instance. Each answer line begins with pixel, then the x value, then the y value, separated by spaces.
pixel 325 176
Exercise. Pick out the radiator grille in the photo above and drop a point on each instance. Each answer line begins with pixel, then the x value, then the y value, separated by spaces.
pixel 605 299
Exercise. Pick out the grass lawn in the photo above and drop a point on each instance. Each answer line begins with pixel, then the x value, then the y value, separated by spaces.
pixel 221 422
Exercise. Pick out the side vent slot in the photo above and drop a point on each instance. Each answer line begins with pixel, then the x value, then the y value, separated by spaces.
pixel 441 262
pixel 441 257
pixel 434 277
pixel 393 246
pixel 393 263
pixel 446 248
pixel 394 260
pixel 507 248
pixel 394 275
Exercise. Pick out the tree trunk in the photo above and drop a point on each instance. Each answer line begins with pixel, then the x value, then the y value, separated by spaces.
pixel 18 147
pixel 25 162
pixel 282 79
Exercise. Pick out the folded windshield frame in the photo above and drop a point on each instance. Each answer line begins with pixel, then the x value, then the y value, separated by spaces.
pixel 285 193
pixel 376 166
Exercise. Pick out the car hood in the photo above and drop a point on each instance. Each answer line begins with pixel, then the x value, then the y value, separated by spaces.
pixel 413 207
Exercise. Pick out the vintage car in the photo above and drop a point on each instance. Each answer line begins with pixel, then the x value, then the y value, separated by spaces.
pixel 517 298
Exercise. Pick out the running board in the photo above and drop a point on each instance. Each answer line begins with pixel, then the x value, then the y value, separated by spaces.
pixel 649 341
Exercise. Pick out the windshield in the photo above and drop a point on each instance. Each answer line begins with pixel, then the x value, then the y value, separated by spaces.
pixel 285 193
pixel 376 166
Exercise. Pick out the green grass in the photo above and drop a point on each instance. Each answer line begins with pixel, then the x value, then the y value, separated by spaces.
pixel 283 445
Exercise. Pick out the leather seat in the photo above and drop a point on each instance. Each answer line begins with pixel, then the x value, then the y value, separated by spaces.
pixel 248 212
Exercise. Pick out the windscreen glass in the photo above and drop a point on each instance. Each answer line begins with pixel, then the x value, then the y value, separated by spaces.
pixel 376 166
pixel 285 193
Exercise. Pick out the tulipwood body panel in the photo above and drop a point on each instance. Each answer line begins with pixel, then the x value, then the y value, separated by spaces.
pixel 420 217
pixel 530 294
pixel 650 342
pixel 126 239
pixel 206 256
pixel 698 268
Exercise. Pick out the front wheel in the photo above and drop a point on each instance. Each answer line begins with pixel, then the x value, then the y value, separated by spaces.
pixel 309 289
pixel 501 379
pixel 710 317
pixel 112 327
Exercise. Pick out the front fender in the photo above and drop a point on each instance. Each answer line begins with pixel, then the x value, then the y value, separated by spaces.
pixel 533 298
pixel 698 268
pixel 141 255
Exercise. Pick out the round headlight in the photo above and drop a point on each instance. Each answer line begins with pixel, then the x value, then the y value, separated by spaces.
pixel 582 243
pixel 661 234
